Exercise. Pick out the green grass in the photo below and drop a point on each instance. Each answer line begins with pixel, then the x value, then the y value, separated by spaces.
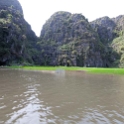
pixel 89 70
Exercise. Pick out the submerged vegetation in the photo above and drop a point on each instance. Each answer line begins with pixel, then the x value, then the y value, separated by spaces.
pixel 119 71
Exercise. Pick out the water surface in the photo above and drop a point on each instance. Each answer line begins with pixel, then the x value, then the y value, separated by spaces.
pixel 60 98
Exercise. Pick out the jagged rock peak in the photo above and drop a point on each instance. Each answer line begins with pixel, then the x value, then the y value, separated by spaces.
pixel 62 19
pixel 104 21
pixel 14 4
pixel 118 18
pixel 61 13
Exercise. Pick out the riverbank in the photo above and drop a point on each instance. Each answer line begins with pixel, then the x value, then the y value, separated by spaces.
pixel 119 71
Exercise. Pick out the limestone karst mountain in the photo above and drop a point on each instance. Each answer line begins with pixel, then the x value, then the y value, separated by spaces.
pixel 16 37
pixel 69 39
pixel 111 34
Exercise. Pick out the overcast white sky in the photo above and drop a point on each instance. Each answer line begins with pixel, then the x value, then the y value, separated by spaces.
pixel 36 12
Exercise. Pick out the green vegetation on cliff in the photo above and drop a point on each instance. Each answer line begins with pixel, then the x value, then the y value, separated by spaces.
pixel 111 33
pixel 68 39
pixel 16 37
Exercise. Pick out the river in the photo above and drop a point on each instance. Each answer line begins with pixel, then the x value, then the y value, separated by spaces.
pixel 31 97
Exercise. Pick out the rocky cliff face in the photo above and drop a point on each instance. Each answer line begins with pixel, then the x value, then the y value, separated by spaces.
pixel 16 37
pixel 12 4
pixel 118 43
pixel 69 39
pixel 105 28
pixel 111 34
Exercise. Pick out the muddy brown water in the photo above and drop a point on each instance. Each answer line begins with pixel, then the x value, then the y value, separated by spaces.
pixel 60 98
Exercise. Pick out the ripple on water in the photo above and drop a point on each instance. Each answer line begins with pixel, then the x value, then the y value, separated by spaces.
pixel 71 98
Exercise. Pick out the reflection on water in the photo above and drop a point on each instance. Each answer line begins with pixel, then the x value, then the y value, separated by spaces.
pixel 60 98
